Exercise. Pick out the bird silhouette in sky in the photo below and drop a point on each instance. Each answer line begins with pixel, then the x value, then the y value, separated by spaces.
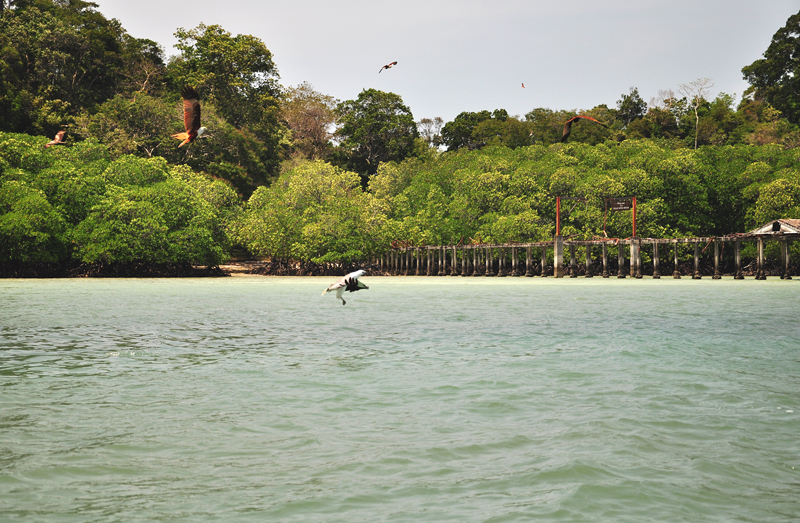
pixel 191 116
pixel 348 283
pixel 387 66
pixel 58 140
pixel 523 85
pixel 568 125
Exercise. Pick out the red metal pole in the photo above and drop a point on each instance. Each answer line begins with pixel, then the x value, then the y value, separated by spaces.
pixel 634 216
pixel 558 215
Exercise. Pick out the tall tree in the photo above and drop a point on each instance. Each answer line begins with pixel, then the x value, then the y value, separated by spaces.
pixel 462 131
pixel 631 106
pixel 430 130
pixel 311 117
pixel 57 58
pixel 237 76
pixel 375 127
pixel 776 77
pixel 696 93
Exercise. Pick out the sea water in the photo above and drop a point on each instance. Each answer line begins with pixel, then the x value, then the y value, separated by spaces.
pixel 423 399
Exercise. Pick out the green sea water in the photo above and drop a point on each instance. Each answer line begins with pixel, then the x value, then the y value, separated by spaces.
pixel 423 399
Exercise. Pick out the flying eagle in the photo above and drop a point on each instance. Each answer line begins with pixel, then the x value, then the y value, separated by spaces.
pixel 191 116
pixel 523 85
pixel 347 283
pixel 58 140
pixel 568 125
pixel 387 66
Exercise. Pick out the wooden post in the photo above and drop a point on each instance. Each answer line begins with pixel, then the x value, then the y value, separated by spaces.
pixel 761 274
pixel 544 261
pixel 737 260
pixel 786 246
pixel 573 265
pixel 428 271
pixel 605 260
pixel 656 273
pixel 454 262
pixel 442 261
pixel 717 275
pixel 528 273
pixel 464 262
pixel 558 256
pixel 589 271
pixel 621 260
pixel 501 261
pixel 489 262
pixel 676 273
pixel 696 275
pixel 475 270
pixel 636 258
pixel 514 262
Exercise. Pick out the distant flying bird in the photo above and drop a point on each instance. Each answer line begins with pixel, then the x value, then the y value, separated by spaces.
pixel 568 125
pixel 387 66
pixel 523 85
pixel 347 283
pixel 191 116
pixel 58 140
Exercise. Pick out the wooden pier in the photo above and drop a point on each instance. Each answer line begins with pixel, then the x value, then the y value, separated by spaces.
pixel 548 258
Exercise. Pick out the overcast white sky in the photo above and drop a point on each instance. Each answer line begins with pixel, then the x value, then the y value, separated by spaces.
pixel 469 55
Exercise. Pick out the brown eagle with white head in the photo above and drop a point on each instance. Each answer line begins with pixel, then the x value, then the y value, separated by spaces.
pixel 191 116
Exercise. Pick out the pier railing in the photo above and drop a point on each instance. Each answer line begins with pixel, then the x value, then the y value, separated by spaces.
pixel 480 260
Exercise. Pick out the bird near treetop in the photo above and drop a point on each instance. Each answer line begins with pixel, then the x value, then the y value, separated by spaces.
pixel 348 283
pixel 387 66
pixel 191 116
pixel 568 125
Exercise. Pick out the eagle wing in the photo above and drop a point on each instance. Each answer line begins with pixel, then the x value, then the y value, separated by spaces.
pixel 191 110
pixel 568 125
pixel 59 139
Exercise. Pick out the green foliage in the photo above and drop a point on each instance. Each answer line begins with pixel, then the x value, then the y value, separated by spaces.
pixel 238 85
pixel 74 202
pixel 778 199
pixel 59 57
pixel 30 229
pixel 376 127
pixel 776 77
pixel 631 106
pixel 235 73
pixel 140 126
pixel 314 212
pixel 160 223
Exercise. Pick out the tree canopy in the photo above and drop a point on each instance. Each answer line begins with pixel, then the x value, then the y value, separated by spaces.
pixel 776 77
pixel 375 127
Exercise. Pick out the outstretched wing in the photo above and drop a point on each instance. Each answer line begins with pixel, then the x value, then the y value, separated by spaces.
pixel 353 285
pixel 59 139
pixel 568 125
pixel 191 110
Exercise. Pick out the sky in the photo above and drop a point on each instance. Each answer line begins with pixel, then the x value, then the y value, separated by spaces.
pixel 471 55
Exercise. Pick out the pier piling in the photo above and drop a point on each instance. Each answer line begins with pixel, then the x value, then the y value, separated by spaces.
pixel 696 275
pixel 558 257
pixel 676 274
